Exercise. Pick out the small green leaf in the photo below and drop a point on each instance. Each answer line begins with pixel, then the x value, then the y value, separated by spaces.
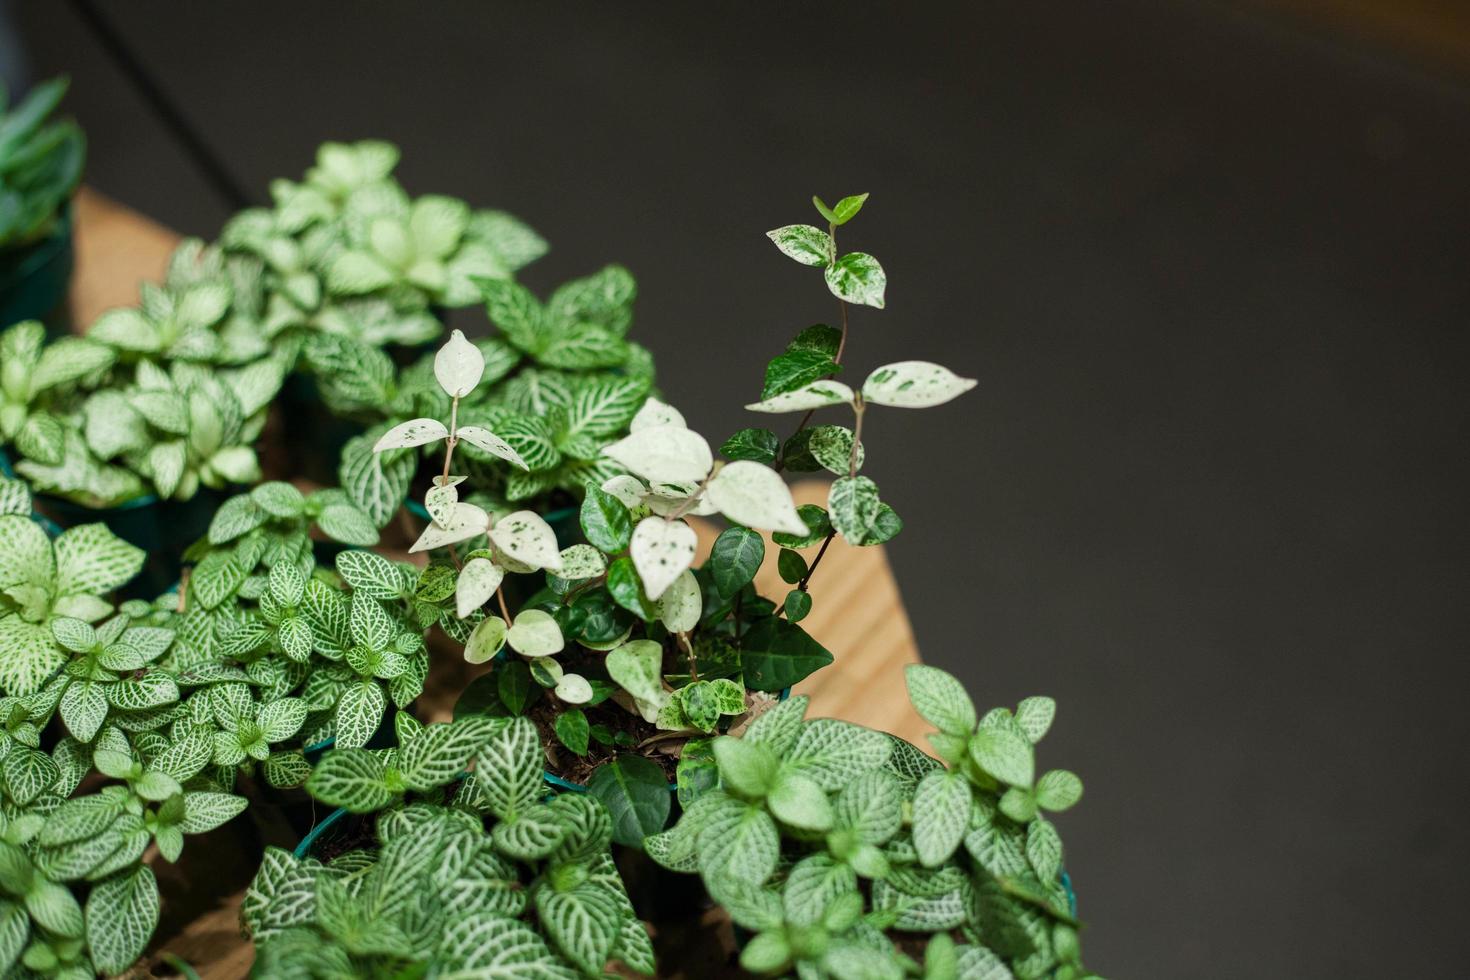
pixel 798 603
pixel 818 527
pixel 791 566
pixel 1058 790
pixel 757 445
pixel 516 689
pixel 941 816
pixel 1004 754
pixel 735 558
pixel 847 208
pixel 605 521
pixel 572 730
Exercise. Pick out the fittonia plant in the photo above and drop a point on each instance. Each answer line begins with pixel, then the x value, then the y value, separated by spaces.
pixel 44 583
pixel 848 853
pixel 463 875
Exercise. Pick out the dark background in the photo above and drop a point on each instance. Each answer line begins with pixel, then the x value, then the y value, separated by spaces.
pixel 1208 265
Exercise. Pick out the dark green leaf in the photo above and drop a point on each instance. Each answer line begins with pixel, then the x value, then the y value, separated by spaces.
pixel 789 371
pixel 759 445
pixel 777 654
pixel 626 589
pixel 636 794
pixel 791 566
pixel 572 730
pixel 736 557
pixel 481 697
pixel 517 691
pixel 605 521
pixel 798 604
pixel 697 773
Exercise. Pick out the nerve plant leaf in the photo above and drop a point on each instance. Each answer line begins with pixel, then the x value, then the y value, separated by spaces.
pixel 914 384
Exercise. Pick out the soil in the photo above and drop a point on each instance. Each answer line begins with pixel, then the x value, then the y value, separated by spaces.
pixel 563 762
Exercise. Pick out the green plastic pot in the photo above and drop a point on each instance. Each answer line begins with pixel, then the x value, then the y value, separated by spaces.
pixel 34 277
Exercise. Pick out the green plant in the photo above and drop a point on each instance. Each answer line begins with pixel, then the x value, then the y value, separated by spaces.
pixel 851 854
pixel 40 164
pixel 533 894
pixel 343 264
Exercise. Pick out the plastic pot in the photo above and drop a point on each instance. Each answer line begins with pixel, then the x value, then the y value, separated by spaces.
pixel 312 434
pixel 164 529
pixel 34 277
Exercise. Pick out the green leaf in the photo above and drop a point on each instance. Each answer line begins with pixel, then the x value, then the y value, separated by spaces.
pixel 833 753
pixel 483 944
pixel 791 566
pixel 626 588
pixel 1058 790
pixel 804 243
pixel 636 794
pixel 857 278
pixel 516 312
pixel 508 767
pixel 1004 754
pixel 735 559
pixel 605 521
pixel 439 753
pixel 515 688
pixel 349 525
pixel 697 772
pixel 941 816
pixel 376 483
pixel 797 604
pixel 352 779
pixel 1035 716
pixel 818 527
pixel 1044 849
pixel 795 369
pixel 746 767
pixel 90 559
pixel 605 407
pixel 583 922
pixel 775 655
pixel 572 730
pixel 756 445
pixel 871 806
pixel 799 802
pixel 122 912
pixel 739 842
pixel 940 699
pixel 370 574
pixel 847 208
pixel 359 711
pixel 204 812
pixel 27 774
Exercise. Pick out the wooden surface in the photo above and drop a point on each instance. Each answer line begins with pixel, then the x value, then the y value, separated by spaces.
pixel 857 613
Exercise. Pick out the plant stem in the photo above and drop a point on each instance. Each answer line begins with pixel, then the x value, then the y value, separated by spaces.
pixel 693 498
pixel 689 650
pixel 858 408
pixel 453 439
pixel 504 610
pixel 836 360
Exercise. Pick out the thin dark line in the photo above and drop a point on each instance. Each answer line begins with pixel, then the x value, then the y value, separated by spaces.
pixel 168 113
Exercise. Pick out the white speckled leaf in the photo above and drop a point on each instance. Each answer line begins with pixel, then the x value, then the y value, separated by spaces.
pixel 482 438
pixel 662 550
pixel 664 454
pixel 914 384
pixel 815 395
pixel 458 365
pixel 414 432
pixel 753 494
pixel 467 522
pixel 527 538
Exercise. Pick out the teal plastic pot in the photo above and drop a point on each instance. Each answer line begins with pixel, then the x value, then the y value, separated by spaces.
pixel 34 278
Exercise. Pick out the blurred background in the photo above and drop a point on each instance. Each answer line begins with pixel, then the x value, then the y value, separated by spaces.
pixel 1208 262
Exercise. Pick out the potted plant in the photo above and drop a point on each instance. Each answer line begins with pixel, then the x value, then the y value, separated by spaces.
pixel 40 166
pixel 615 672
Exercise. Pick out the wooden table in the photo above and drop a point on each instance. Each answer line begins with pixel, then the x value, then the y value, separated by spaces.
pixel 857 611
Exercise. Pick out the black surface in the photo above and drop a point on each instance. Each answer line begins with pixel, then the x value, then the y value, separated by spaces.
pixel 1210 275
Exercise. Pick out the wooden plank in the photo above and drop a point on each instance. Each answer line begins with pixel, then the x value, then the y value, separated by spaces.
pixel 116 249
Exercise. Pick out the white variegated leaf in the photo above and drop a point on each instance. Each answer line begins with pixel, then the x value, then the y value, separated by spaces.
pixel 681 605
pixel 527 538
pixel 628 489
pixel 574 689
pixel 753 494
pixel 458 366
pixel 664 499
pixel 477 582
pixel 440 501
pixel 661 551
pixel 664 454
pixel 467 522
pixel 914 384
pixel 535 634
pixel 482 438
pixel 655 413
pixel 581 561
pixel 815 395
pixel 486 641
pixel 414 432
